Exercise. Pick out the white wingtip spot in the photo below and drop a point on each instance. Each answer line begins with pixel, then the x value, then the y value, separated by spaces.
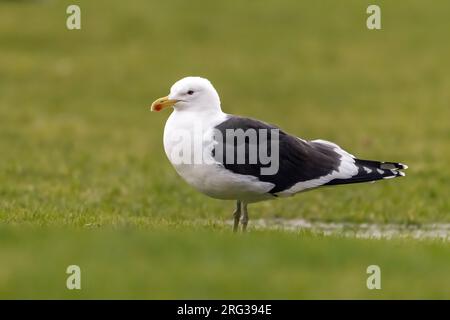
pixel 404 166
pixel 368 170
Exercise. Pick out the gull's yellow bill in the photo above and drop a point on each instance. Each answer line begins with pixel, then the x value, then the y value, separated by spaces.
pixel 162 103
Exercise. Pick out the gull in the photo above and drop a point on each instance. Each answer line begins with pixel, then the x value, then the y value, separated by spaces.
pixel 231 157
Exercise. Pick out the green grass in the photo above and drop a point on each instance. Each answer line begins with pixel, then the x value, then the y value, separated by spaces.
pixel 79 148
pixel 156 264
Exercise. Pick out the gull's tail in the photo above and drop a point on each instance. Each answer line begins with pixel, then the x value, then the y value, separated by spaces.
pixel 369 170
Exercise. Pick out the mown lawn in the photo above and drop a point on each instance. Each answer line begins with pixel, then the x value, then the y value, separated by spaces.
pixel 194 265
pixel 84 180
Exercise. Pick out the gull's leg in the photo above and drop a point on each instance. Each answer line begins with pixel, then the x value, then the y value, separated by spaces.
pixel 237 215
pixel 244 217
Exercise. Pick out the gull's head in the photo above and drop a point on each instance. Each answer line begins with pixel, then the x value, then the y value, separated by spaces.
pixel 190 93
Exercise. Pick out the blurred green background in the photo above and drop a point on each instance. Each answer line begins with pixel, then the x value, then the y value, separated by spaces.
pixel 84 179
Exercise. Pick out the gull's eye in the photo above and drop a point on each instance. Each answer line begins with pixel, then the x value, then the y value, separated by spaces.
pixel 190 92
